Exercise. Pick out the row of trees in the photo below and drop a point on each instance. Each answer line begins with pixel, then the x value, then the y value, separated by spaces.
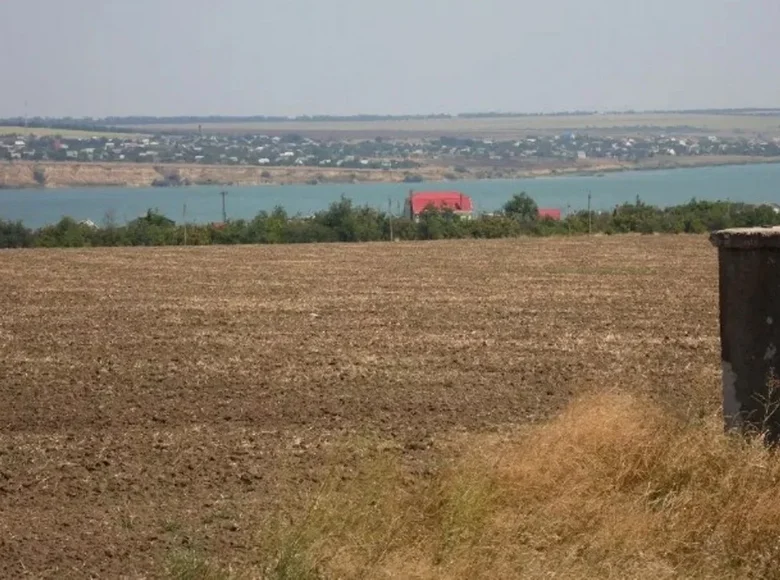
pixel 345 222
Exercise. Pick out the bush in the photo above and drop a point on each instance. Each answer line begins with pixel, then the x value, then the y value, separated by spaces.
pixel 66 233
pixel 39 175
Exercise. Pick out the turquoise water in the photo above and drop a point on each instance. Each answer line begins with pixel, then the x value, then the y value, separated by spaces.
pixel 749 183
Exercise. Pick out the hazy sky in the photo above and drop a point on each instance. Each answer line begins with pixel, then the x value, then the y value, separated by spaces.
pixel 290 57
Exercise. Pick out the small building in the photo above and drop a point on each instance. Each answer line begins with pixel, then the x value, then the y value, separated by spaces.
pixel 549 213
pixel 459 203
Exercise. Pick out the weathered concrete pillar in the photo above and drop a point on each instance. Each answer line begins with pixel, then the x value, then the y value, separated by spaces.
pixel 750 328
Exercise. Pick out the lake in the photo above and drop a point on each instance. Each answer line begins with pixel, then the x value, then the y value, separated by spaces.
pixel 749 183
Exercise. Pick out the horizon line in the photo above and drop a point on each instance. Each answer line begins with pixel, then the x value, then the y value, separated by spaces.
pixel 389 117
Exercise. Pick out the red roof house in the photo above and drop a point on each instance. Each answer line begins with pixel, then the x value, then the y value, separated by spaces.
pixel 553 214
pixel 456 201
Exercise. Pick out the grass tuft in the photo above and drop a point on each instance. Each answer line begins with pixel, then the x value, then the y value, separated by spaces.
pixel 185 564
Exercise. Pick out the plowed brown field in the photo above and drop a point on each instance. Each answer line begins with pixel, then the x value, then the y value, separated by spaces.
pixel 157 398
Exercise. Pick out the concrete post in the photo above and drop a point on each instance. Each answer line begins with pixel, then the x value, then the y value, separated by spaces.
pixel 749 264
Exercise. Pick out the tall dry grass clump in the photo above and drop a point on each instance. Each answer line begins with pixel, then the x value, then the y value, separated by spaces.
pixel 615 487
pixel 618 486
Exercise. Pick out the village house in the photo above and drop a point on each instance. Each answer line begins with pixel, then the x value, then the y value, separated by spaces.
pixel 455 201
pixel 549 213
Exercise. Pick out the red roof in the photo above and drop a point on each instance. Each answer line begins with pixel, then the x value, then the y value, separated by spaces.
pixel 554 214
pixel 453 200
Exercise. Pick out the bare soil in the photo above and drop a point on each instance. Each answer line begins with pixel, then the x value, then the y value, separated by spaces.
pixel 97 174
pixel 169 398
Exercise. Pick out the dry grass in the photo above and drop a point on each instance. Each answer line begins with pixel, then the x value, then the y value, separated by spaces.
pixel 615 487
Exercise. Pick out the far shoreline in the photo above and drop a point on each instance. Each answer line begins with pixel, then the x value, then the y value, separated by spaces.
pixel 48 176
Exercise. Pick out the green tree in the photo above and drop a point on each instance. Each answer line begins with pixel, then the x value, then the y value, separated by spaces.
pixel 340 217
pixel 14 235
pixel 522 207
pixel 275 226
pixel 437 225
pixel 155 218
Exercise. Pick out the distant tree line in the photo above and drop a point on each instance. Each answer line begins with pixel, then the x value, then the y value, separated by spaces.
pixel 345 222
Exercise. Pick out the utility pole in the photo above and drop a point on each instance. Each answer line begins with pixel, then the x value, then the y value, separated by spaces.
pixel 590 228
pixel 390 213
pixel 184 220
pixel 224 212
pixel 728 212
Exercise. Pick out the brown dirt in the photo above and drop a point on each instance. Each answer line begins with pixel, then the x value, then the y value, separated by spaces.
pixel 155 399
pixel 71 174
pixel 96 174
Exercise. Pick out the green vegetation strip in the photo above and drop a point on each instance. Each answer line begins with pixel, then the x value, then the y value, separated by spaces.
pixel 344 222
